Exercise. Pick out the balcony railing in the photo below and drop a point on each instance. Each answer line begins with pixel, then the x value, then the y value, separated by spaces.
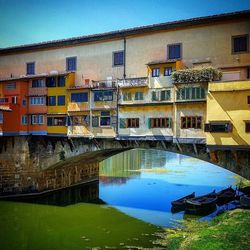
pixel 104 84
pixel 133 82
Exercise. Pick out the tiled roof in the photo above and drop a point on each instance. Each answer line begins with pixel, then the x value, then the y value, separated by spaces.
pixel 128 32
pixel 28 77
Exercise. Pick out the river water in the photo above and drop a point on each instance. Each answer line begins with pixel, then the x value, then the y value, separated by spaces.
pixel 130 201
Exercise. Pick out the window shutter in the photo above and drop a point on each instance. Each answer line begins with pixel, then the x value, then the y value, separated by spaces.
pixel 95 121
pixel 123 123
pixel 113 121
pixel 170 122
pixel 149 122
pixel 207 127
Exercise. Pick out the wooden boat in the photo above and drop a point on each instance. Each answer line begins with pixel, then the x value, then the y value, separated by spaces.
pixel 179 205
pixel 225 195
pixel 245 190
pixel 202 204
pixel 245 200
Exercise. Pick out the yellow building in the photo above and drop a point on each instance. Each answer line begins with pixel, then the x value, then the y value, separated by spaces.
pixel 228 114
pixel 57 100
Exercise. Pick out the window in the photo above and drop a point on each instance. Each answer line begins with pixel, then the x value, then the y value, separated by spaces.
pixel 218 127
pixel 1 117
pixel 240 43
pixel 14 99
pixel 10 85
pixel 160 122
pixel 105 95
pixel 37 119
pixel 248 100
pixel 4 100
pixel 174 51
pixel 118 58
pixel 61 100
pixel 61 81
pixel 105 119
pixel 165 95
pixel 38 83
pixel 155 96
pixel 51 82
pixel 133 123
pixel 24 102
pixel 37 100
pixel 56 121
pixel 30 68
pixel 155 72
pixel 247 126
pixel 24 120
pixel 167 71
pixel 191 93
pixel 71 64
pixel 191 122
pixel 138 95
pixel 79 97
pixel 51 101
pixel 127 96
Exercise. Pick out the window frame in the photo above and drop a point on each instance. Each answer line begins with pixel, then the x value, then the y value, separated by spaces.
pixel 165 68
pixel 168 50
pixel 64 100
pixel 105 114
pixel 113 58
pixel 54 97
pixel 133 123
pixel 187 122
pixel 157 70
pixel 34 68
pixel 139 96
pixel 67 63
pixel 78 99
pixel 232 44
pixel 1 117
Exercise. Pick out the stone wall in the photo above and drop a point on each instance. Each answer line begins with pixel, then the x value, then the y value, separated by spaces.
pixel 35 164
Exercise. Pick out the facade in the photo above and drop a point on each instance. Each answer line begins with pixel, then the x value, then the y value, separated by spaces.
pixel 119 84
pixel 228 115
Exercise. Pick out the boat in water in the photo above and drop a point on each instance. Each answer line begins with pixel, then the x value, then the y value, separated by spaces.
pixel 201 205
pixel 245 201
pixel 179 205
pixel 225 196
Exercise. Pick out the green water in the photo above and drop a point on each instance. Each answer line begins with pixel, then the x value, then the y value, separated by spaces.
pixel 79 226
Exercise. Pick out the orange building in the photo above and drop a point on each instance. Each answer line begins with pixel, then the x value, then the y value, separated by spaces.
pixel 37 108
pixel 15 100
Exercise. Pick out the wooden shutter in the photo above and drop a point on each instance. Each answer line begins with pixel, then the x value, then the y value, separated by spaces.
pixel 123 123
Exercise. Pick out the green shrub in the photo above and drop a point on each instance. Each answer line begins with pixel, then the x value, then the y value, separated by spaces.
pixel 196 75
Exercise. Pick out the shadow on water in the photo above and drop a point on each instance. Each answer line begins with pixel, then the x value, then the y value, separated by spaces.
pixel 85 193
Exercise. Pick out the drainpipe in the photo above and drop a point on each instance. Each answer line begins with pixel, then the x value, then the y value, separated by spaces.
pixel 124 54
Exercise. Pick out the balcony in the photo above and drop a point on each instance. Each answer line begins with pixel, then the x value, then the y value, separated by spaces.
pixel 133 82
pixel 104 84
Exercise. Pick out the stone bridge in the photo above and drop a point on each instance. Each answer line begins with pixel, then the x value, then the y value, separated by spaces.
pixel 40 164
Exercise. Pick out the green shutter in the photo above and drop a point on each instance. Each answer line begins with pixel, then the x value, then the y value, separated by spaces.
pixel 123 123
pixel 170 122
pixel 95 121
pixel 149 122
pixel 154 96
pixel 163 95
pixel 202 93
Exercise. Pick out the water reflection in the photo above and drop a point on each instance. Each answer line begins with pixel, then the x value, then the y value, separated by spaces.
pixel 88 193
pixel 152 179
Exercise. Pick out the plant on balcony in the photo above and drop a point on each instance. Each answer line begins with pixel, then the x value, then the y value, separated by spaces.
pixel 196 75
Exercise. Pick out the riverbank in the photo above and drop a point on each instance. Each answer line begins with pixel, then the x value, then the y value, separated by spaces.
pixel 229 231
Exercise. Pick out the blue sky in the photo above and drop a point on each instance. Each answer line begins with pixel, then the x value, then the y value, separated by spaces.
pixel 30 21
